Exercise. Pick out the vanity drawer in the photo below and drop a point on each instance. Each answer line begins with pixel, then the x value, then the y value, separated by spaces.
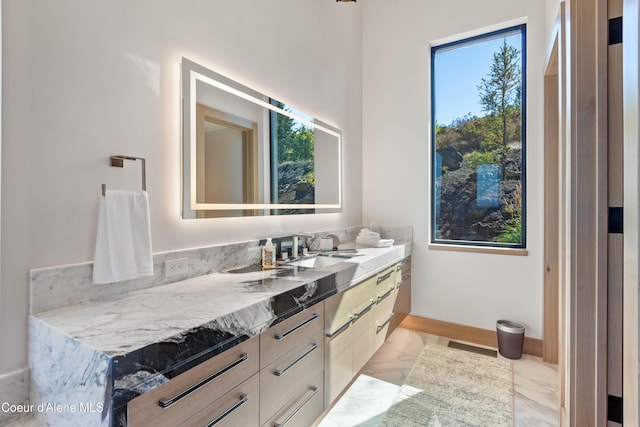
pixel 383 317
pixel 342 308
pixel 385 292
pixel 362 295
pixel 239 407
pixel 286 335
pixel 188 393
pixel 363 339
pixel 338 312
pixel 386 278
pixel 338 363
pixel 383 312
pixel 384 306
pixel 301 411
pixel 403 272
pixel 283 379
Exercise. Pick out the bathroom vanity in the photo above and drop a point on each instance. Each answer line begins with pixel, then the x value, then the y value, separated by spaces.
pixel 237 347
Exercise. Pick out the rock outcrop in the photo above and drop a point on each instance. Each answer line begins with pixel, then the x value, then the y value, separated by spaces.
pixel 451 158
pixel 462 217
pixel 292 190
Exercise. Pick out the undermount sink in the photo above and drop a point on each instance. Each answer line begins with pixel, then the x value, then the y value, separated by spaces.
pixel 323 259
pixel 316 262
pixel 343 253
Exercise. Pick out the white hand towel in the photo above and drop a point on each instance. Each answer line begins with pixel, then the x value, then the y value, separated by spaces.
pixel 123 243
pixel 368 234
pixel 376 243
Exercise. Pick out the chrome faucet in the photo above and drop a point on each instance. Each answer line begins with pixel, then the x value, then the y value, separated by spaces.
pixel 294 238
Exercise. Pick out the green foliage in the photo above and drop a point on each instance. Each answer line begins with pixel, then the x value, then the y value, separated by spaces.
pixel 464 133
pixel 472 133
pixel 512 230
pixel 500 94
pixel 501 89
pixel 485 140
pixel 295 141
pixel 476 158
pixel 298 147
pixel 310 179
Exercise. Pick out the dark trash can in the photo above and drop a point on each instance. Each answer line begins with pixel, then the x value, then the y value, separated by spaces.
pixel 510 338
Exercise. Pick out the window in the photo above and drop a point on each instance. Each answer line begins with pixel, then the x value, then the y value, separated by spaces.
pixel 478 91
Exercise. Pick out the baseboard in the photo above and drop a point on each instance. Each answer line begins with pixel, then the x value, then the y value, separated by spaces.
pixel 14 389
pixel 532 346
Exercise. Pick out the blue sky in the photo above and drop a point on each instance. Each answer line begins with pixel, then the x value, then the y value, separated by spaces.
pixel 458 73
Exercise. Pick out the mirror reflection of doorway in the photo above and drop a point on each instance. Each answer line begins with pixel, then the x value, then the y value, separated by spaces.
pixel 227 165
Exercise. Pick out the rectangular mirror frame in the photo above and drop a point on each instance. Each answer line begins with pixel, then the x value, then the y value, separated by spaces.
pixel 194 72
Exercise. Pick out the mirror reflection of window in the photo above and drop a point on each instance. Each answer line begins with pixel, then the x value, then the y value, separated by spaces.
pixel 292 160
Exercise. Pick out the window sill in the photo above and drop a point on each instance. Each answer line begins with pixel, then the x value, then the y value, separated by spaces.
pixel 479 249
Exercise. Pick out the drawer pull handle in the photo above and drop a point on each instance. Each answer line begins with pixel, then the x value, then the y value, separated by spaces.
pixel 380 327
pixel 239 403
pixel 364 310
pixel 385 277
pixel 402 264
pixel 295 328
pixel 340 329
pixel 280 372
pixel 165 403
pixel 386 294
pixel 284 422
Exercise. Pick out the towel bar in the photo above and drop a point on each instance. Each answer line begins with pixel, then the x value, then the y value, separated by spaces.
pixel 118 162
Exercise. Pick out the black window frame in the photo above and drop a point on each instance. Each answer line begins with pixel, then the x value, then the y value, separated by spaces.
pixel 522 29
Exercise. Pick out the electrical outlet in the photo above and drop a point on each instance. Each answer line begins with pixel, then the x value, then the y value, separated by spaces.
pixel 175 267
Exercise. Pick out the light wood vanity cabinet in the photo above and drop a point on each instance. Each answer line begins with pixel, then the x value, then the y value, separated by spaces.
pixel 338 359
pixel 204 392
pixel 303 328
pixel 349 335
pixel 273 379
pixel 239 407
pixel 364 323
pixel 402 306
pixel 385 299
pixel 358 321
pixel 303 409
pixel 291 374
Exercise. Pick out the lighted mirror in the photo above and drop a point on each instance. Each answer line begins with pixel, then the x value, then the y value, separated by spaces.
pixel 245 153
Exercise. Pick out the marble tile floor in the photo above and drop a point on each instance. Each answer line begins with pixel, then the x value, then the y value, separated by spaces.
pixel 29 421
pixel 364 404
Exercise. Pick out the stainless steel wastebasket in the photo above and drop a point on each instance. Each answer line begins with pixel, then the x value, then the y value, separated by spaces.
pixel 510 338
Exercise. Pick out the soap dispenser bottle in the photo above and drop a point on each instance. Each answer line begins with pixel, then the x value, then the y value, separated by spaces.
pixel 268 255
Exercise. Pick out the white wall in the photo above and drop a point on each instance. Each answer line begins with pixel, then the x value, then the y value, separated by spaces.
pixel 552 9
pixel 470 289
pixel 84 80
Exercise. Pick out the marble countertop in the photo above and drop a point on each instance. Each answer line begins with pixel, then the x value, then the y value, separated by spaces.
pixel 234 302
pixel 144 317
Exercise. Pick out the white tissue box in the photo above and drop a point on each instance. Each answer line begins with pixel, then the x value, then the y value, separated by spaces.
pixel 326 244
